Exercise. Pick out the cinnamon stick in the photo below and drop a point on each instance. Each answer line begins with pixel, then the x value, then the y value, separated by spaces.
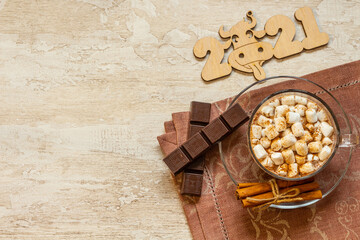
pixel 317 194
pixel 245 185
pixel 266 187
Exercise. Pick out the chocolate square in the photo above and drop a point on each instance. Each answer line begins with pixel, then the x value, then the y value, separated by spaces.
pixel 235 116
pixel 195 146
pixel 192 183
pixel 200 112
pixel 176 161
pixel 215 130
pixel 194 129
pixel 197 165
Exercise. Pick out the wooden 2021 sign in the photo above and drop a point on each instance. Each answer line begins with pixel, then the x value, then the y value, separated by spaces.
pixel 249 54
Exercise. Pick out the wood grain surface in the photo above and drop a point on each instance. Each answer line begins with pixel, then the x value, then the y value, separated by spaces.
pixel 85 87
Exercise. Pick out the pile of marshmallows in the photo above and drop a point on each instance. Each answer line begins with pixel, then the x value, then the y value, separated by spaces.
pixel 291 136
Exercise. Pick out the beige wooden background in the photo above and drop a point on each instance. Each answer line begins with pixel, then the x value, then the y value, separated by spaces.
pixel 84 89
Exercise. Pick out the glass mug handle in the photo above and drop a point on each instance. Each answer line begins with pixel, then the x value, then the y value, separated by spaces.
pixel 349 140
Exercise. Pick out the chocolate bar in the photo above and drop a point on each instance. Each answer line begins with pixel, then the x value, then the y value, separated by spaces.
pixel 229 120
pixel 193 173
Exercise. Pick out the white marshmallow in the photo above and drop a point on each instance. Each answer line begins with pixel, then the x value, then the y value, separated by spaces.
pixel 282 170
pixel 293 170
pixel 316 158
pixel 274 103
pixel 263 132
pixel 321 115
pixel 276 144
pixel 288 156
pixel 301 148
pixel 310 157
pixel 267 162
pixel 317 124
pixel 292 108
pixel 288 100
pixel 326 141
pixel 264 121
pixel 280 124
pixel 301 100
pixel 306 168
pixel 310 126
pixel 325 153
pixel 286 132
pixel 265 142
pixel 292 117
pixel 256 131
pixel 277 158
pixel 270 132
pixel 326 129
pixel 315 147
pixel 268 111
pixel 312 105
pixel 311 116
pixel 280 111
pixel 300 109
pixel 306 137
pixel 317 135
pixel 288 140
pixel 300 159
pixel 254 141
pixel 260 152
pixel 297 129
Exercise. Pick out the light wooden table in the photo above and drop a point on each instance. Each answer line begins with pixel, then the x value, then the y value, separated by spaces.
pixel 85 87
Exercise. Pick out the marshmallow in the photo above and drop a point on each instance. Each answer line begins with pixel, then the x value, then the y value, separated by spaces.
pixel 292 117
pixel 268 111
pixel 256 131
pixel 264 121
pixel 288 100
pixel 288 140
pixel 293 170
pixel 282 170
pixel 286 132
pixel 317 135
pixel 297 129
pixel 280 124
pixel 260 152
pixel 276 144
pixel 310 157
pixel 306 137
pixel 316 158
pixel 317 124
pixel 310 126
pixel 301 148
pixel 277 158
pixel 270 132
pixel 303 120
pixel 312 105
pixel 324 153
pixel 326 129
pixel 326 141
pixel 311 116
pixel 315 147
pixel 300 159
pixel 267 162
pixel 280 111
pixel 321 115
pixel 254 141
pixel 306 168
pixel 292 108
pixel 300 100
pixel 300 109
pixel 274 103
pixel 288 156
pixel 265 142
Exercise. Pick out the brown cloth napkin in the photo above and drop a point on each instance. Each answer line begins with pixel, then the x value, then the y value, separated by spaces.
pixel 218 215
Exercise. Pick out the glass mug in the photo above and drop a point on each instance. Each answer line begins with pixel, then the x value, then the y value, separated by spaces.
pixel 332 172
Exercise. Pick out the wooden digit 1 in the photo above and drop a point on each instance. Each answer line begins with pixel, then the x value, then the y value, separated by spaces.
pixel 314 38
pixel 284 46
pixel 213 67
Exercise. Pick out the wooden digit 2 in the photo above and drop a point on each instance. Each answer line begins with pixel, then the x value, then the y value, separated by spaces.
pixel 248 53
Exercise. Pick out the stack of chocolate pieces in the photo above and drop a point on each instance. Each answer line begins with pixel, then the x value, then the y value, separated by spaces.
pixel 202 136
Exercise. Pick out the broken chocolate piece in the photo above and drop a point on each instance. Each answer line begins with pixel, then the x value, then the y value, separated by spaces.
pixel 199 113
pixel 215 130
pixel 196 145
pixel 176 161
pixel 192 183
pixel 197 165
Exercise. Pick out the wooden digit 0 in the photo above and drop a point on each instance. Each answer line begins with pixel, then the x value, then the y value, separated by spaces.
pixel 314 38
pixel 284 46
pixel 213 67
